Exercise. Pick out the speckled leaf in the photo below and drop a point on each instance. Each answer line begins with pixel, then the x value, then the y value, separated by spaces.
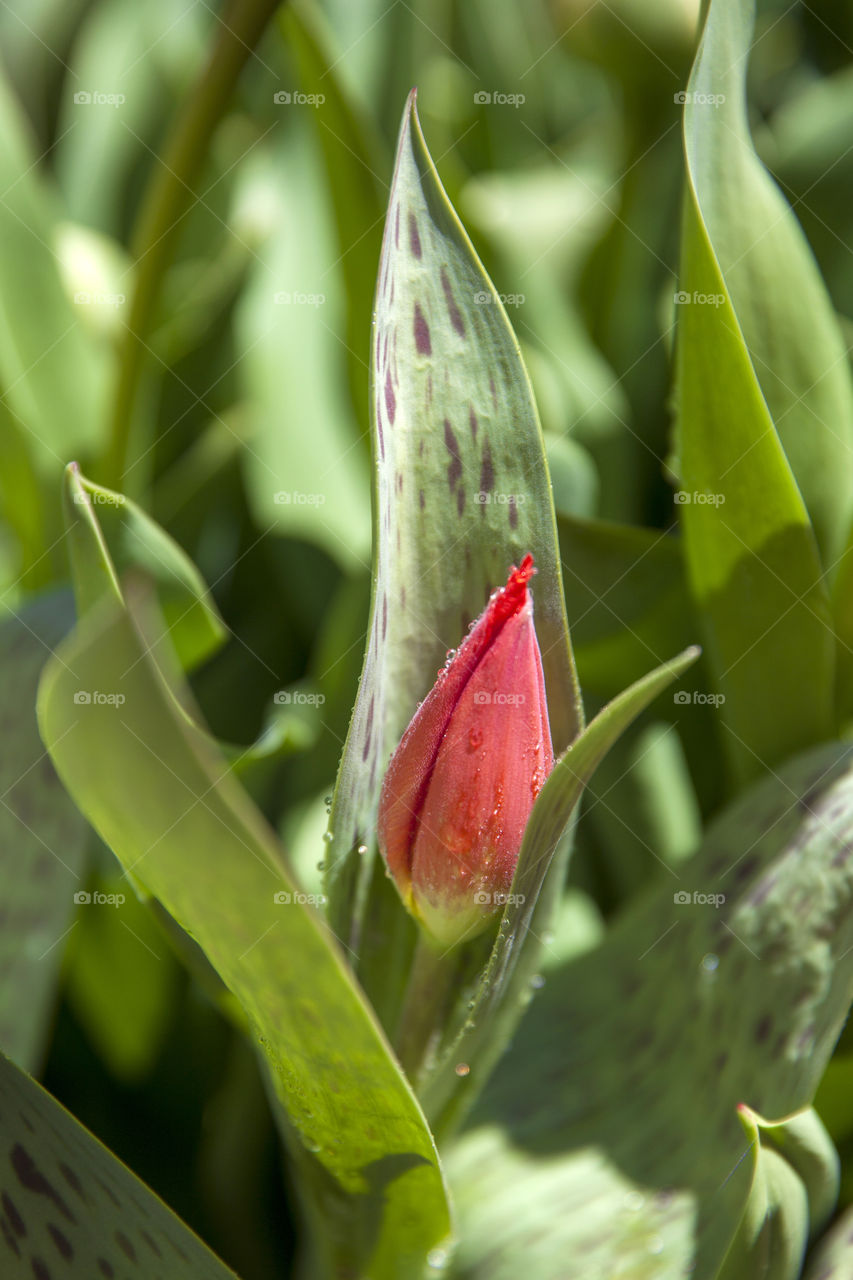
pixel 608 1141
pixel 42 837
pixel 462 492
pixel 109 535
pixel 154 786
pixel 751 553
pixel 69 1208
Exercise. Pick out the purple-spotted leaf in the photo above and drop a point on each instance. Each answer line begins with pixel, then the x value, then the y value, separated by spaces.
pixel 71 1209
pixel 462 492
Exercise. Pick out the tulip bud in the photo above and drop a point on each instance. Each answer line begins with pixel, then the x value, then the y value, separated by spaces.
pixel 461 784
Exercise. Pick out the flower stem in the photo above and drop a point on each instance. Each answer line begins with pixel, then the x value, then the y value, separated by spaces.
pixel 169 195
pixel 425 1004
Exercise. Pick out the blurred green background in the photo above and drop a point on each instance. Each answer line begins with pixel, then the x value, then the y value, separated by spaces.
pixel 556 131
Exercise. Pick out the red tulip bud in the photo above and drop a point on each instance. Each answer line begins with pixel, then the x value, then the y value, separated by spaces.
pixel 461 784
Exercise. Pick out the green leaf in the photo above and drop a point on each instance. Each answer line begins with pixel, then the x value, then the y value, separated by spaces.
pixel 52 374
pixel 462 491
pixel 608 1141
pixel 627 600
pixel 71 1208
pixel 486 1022
pixel 783 311
pixel 751 554
pixel 153 786
pixel 120 538
pixel 42 837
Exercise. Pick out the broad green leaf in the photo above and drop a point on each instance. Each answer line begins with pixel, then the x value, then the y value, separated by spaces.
pixel 462 492
pixel 70 1208
pixel 42 837
pixel 352 172
pixel 52 373
pixel 751 554
pixel 152 784
pixel 110 535
pixel 486 1022
pixel 784 314
pixel 307 474
pixel 626 598
pixel 608 1141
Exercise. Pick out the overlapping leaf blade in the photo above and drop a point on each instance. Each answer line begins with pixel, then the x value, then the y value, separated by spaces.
pixel 609 1135
pixel 154 785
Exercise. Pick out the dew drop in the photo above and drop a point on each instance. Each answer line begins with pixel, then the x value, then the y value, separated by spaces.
pixel 321 866
pixel 449 656
pixel 328 837
pixel 437 1259
pixel 537 982
pixel 475 738
pixel 634 1201
pixel 710 962
pixel 362 848
pixel 327 801
pixel 462 1068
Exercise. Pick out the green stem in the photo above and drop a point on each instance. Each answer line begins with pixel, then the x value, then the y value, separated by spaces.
pixel 430 982
pixel 169 195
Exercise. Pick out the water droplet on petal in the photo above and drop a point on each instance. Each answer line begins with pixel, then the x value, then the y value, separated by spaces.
pixel 537 982
pixel 362 848
pixel 475 738
pixel 462 1068
pixel 328 837
pixel 710 962
pixel 321 866
pixel 437 1259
